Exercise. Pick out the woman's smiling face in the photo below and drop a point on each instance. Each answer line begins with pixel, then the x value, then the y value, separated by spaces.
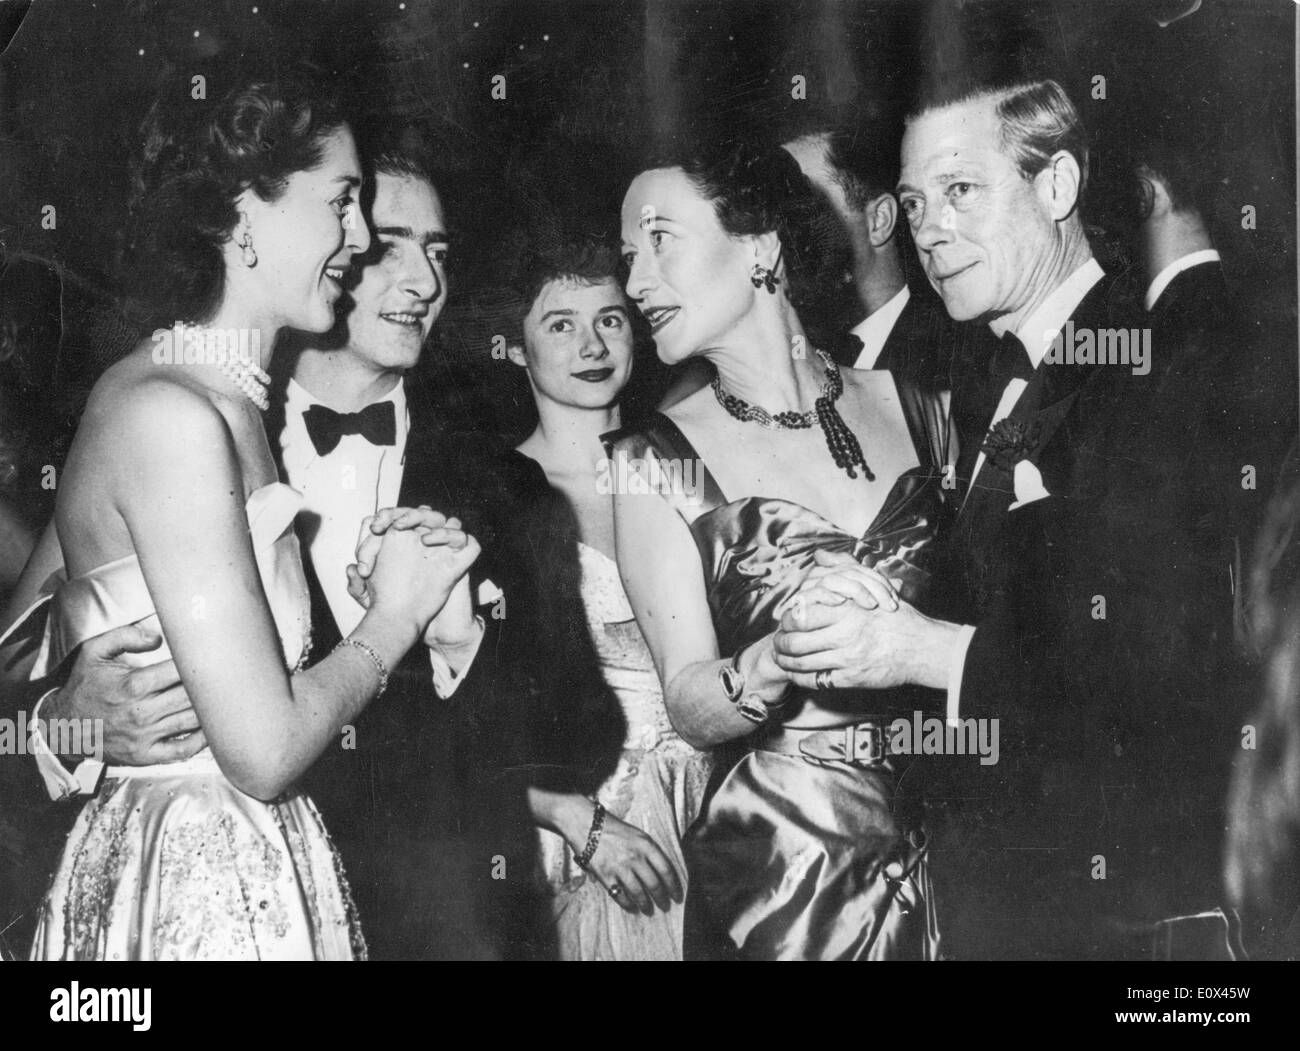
pixel 305 239
pixel 578 343
pixel 686 274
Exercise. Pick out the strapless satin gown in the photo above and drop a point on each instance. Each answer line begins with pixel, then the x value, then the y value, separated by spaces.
pixel 172 862
pixel 795 859
pixel 658 787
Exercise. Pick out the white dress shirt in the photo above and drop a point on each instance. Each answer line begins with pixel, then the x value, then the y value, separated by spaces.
pixel 1186 262
pixel 356 479
pixel 1036 332
pixel 875 330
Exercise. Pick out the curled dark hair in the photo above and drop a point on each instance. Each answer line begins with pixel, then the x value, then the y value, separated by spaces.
pixel 761 189
pixel 542 255
pixel 398 149
pixel 198 156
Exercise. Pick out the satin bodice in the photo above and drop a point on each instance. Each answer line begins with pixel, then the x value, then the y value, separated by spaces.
pixel 756 551
pixel 115 594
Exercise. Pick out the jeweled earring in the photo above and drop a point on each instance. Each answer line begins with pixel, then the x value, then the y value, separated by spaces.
pixel 247 253
pixel 761 275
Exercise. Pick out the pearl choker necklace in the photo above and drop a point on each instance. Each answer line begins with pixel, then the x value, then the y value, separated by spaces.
pixel 250 378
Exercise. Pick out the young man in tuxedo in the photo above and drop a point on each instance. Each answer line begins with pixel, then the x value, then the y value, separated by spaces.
pixel 1077 631
pixel 423 796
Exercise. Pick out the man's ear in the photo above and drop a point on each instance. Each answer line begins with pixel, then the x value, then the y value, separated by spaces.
pixel 1153 196
pixel 516 354
pixel 1058 185
pixel 882 217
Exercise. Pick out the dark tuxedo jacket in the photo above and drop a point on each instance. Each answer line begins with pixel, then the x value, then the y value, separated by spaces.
pixel 1201 332
pixel 1100 615
pixel 921 344
pixel 426 801
pixel 33 830
pixel 1195 301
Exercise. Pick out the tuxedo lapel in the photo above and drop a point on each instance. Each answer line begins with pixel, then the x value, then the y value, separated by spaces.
pixel 1051 403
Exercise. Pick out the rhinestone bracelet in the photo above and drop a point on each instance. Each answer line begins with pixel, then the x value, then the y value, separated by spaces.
pixel 593 837
pixel 375 659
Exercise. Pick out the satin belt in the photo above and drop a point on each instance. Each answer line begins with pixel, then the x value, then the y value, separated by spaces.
pixel 865 744
pixel 797 860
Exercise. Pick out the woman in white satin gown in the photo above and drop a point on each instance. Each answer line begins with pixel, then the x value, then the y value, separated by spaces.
pixel 170 513
pixel 575 342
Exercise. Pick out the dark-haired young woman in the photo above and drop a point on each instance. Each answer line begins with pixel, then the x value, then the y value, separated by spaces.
pixel 820 493
pixel 609 834
pixel 170 514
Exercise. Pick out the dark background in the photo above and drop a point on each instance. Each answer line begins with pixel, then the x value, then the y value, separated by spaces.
pixel 590 86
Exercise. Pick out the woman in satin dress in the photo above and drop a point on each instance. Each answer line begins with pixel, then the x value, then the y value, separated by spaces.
pixel 786 485
pixel 170 516
pixel 572 337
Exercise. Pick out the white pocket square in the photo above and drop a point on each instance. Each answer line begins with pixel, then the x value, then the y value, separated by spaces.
pixel 1028 484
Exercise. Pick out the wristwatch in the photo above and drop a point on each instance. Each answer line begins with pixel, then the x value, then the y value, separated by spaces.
pixel 750 705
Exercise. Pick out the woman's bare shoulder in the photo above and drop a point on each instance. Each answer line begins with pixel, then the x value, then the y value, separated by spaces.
pixel 136 393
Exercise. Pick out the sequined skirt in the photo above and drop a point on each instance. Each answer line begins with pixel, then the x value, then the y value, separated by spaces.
pixel 800 861
pixel 172 862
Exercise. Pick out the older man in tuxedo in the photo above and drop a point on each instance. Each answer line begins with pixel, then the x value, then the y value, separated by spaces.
pixel 1074 625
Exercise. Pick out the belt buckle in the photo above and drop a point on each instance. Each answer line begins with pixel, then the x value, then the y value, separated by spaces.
pixel 865 743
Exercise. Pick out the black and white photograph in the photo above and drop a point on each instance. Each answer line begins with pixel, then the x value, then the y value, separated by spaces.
pixel 649 481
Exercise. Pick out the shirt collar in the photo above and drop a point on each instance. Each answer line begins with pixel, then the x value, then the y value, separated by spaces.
pixel 1040 328
pixel 298 399
pixel 1186 262
pixel 298 451
pixel 876 327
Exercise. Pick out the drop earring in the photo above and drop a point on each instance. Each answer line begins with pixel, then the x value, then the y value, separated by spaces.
pixel 247 252
pixel 761 275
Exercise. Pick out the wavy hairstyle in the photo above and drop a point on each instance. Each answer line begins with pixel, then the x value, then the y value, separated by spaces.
pixel 1036 119
pixel 586 256
pixel 761 189
pixel 198 156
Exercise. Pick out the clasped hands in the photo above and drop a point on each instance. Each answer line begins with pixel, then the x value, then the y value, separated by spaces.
pixel 439 553
pixel 847 625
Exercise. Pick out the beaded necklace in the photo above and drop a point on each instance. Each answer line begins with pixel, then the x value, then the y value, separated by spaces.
pixel 842 443
pixel 251 379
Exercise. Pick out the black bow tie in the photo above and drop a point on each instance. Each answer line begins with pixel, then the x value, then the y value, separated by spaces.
pixel 1010 361
pixel 376 423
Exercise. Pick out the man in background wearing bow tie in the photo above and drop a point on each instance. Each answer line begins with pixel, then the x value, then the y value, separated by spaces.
pixel 1078 625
